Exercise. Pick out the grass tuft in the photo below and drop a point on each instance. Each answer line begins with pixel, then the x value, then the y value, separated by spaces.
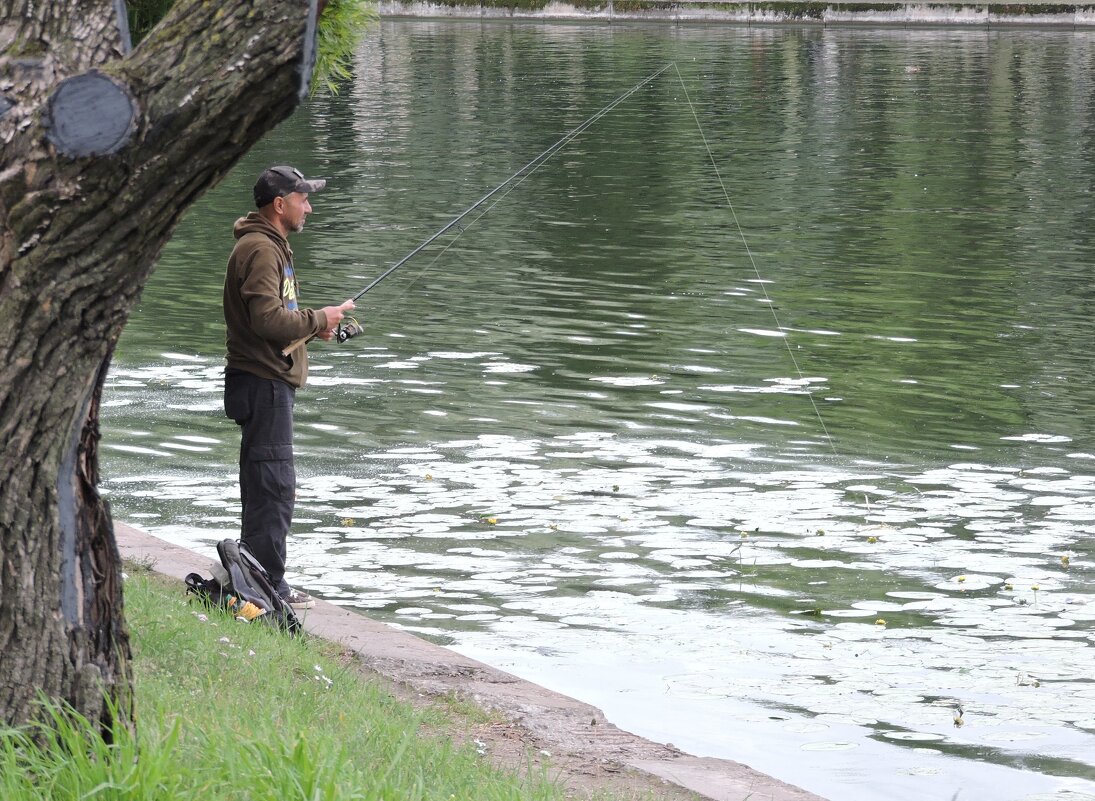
pixel 239 712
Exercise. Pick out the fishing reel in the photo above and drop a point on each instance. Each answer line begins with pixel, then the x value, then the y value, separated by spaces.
pixel 348 330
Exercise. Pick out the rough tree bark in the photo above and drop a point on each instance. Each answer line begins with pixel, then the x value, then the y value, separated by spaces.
pixel 103 150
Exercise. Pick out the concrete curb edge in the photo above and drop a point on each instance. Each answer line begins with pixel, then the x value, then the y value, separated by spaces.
pixel 432 669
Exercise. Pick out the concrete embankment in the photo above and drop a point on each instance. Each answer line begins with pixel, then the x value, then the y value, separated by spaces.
pixel 564 724
pixel 901 14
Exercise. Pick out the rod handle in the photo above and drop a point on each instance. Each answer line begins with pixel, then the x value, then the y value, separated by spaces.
pixel 294 345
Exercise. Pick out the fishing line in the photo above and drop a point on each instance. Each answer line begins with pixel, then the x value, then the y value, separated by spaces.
pixel 752 261
pixel 517 178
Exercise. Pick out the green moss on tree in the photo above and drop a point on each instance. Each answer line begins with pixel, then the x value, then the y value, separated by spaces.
pixel 340 29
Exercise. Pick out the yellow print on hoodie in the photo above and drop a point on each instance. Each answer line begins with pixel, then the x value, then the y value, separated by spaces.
pixel 289 288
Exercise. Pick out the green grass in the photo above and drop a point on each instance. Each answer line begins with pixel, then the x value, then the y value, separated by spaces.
pixel 240 712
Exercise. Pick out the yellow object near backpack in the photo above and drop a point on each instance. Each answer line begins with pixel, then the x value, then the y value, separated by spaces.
pixel 242 587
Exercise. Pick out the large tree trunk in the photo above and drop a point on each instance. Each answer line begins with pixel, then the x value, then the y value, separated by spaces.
pixel 103 151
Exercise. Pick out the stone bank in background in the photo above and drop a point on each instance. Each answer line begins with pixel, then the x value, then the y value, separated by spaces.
pixel 908 15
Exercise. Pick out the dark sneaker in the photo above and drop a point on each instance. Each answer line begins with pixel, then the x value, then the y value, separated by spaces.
pixel 298 599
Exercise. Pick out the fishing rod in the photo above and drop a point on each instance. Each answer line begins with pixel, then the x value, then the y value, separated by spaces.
pixel 353 328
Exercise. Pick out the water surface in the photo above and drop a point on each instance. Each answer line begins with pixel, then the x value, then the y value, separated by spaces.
pixel 785 458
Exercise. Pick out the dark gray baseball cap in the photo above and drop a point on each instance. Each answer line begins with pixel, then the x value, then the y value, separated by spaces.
pixel 280 181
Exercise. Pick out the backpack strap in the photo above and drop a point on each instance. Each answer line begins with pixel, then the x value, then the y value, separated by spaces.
pixel 282 612
pixel 208 591
pixel 250 582
pixel 239 576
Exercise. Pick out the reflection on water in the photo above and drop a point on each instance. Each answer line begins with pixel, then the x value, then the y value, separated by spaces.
pixel 576 446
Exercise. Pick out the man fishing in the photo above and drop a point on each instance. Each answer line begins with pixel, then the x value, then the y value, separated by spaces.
pixel 260 383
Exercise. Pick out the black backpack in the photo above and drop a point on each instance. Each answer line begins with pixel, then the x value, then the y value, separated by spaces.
pixel 243 588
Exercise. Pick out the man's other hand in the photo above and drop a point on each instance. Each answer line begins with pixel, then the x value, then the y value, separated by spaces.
pixel 334 316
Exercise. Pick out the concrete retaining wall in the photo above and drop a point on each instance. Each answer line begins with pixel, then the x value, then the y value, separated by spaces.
pixel 987 15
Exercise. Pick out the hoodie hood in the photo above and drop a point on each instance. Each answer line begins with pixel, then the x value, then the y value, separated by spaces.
pixel 255 223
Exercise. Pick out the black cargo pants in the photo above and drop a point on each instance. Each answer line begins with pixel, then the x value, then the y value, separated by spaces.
pixel 263 408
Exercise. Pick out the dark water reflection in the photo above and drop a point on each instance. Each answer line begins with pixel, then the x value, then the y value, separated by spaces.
pixel 788 494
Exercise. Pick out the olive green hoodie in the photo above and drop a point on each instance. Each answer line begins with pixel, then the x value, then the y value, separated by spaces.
pixel 260 305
